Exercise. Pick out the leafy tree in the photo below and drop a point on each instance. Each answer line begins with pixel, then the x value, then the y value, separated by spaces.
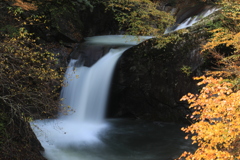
pixel 217 112
pixel 217 107
pixel 30 83
pixel 141 17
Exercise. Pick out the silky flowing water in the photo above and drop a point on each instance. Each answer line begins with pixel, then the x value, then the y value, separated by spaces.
pixel 124 139
pixel 191 20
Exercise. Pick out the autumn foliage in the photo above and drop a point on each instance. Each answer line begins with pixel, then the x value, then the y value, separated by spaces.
pixel 140 17
pixel 216 109
pixel 217 112
pixel 143 18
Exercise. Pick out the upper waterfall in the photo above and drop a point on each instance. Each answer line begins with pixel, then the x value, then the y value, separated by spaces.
pixel 182 23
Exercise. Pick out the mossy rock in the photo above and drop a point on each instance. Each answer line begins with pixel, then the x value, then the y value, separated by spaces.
pixel 67 21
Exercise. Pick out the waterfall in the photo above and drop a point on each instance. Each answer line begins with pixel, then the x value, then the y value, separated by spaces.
pixel 84 98
pixel 86 88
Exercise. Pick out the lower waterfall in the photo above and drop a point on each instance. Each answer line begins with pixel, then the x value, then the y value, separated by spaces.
pixel 86 90
pixel 84 98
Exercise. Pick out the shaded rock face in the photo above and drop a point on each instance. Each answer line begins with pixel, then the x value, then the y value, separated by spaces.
pixel 89 54
pixel 73 26
pixel 19 141
pixel 149 83
pixel 70 27
pixel 68 24
pixel 99 22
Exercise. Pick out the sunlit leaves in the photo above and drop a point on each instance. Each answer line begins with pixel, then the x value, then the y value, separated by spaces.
pixel 217 116
pixel 223 36
pixel 216 109
pixel 231 8
pixel 229 33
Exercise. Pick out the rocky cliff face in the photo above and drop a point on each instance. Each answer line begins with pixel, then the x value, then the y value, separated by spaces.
pixel 149 82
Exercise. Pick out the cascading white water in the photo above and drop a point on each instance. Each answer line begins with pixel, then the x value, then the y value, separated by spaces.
pixel 85 96
pixel 87 88
pixel 191 20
